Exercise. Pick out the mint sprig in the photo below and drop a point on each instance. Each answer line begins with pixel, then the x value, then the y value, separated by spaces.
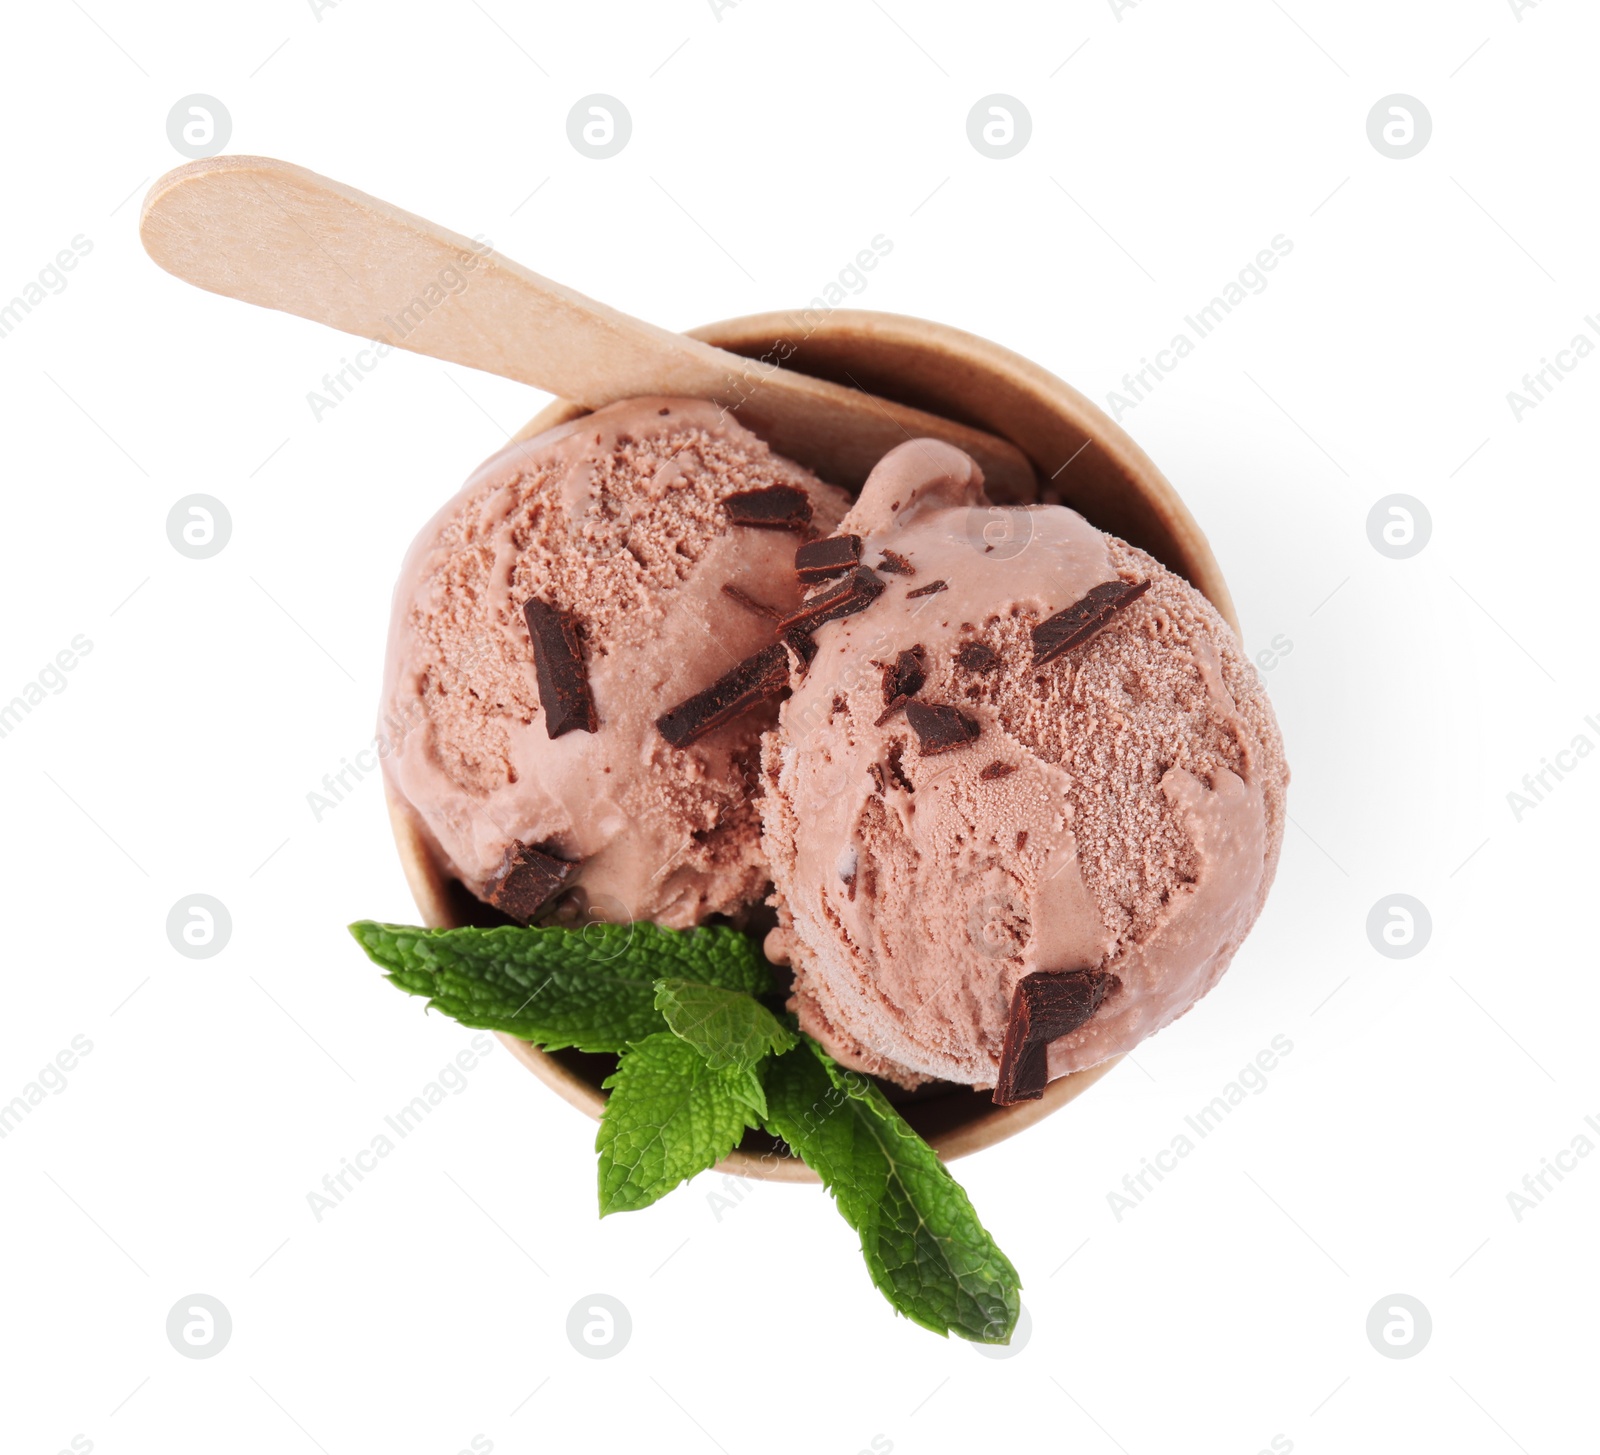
pixel 702 1060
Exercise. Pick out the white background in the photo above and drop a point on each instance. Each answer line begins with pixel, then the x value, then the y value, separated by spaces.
pixel 1169 145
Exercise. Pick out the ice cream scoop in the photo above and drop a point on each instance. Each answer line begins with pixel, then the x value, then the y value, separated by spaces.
pixel 1037 758
pixel 580 584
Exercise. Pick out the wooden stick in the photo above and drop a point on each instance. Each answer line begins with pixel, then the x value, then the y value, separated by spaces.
pixel 277 235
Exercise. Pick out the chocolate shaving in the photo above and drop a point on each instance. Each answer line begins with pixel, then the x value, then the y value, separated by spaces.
pixel 927 590
pixel 1045 1006
pixel 526 881
pixel 1074 626
pixel 897 766
pixel 750 603
pixel 902 680
pixel 997 770
pixel 831 556
pixel 777 507
pixel 977 657
pixel 855 593
pixel 939 728
pixel 896 564
pixel 802 644
pixel 558 666
pixel 906 676
pixel 752 682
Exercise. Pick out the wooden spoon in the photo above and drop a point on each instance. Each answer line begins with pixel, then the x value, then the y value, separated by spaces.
pixel 275 234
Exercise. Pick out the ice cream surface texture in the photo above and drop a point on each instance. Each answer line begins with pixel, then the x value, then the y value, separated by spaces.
pixel 617 525
pixel 1117 808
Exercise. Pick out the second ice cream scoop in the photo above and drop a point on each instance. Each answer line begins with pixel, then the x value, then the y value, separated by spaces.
pixel 1038 756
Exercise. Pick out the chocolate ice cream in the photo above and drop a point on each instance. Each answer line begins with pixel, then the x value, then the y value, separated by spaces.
pixel 1037 756
pixel 580 584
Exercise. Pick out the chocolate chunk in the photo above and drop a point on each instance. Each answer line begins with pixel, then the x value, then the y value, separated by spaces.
pixel 855 593
pixel 831 556
pixel 750 603
pixel 558 665
pixel 896 564
pixel 1045 1006
pixel 939 728
pixel 778 507
pixel 753 681
pixel 927 590
pixel 903 678
pixel 977 657
pixel 526 881
pixel 802 643
pixel 998 770
pixel 1074 626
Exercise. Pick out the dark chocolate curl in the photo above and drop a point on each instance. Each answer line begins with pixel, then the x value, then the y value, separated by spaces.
pixel 753 681
pixel 777 507
pixel 1080 621
pixel 526 881
pixel 1045 1006
pixel 940 728
pixel 558 667
pixel 855 593
pixel 831 556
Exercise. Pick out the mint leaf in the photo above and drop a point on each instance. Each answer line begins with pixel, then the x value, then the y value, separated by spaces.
pixel 669 1116
pixel 925 1248
pixel 745 1087
pixel 725 1026
pixel 593 988
pixel 544 986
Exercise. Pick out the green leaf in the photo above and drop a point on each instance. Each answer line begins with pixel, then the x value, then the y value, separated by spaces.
pixel 727 1027
pixel 591 987
pixel 746 1087
pixel 925 1248
pixel 669 1116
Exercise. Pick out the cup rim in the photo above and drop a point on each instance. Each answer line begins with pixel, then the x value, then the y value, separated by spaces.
pixel 1022 379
